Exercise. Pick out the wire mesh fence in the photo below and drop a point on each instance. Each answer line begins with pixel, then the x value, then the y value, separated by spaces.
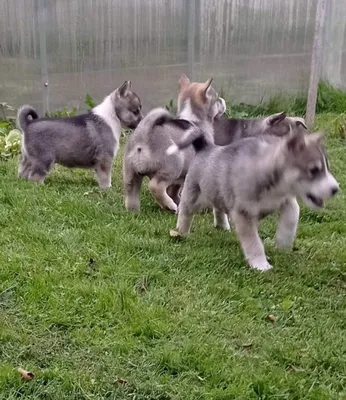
pixel 54 52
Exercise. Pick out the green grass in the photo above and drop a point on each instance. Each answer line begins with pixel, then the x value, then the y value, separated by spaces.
pixel 103 304
pixel 329 100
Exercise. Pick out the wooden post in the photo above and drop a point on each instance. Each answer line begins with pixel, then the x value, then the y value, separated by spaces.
pixel 191 31
pixel 316 62
pixel 41 18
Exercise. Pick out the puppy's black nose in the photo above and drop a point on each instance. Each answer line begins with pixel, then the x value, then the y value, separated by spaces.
pixel 334 191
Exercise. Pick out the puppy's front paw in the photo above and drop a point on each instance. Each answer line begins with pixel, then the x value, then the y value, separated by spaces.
pixel 174 233
pixel 223 227
pixel 284 241
pixel 174 209
pixel 260 265
pixel 105 186
pixel 132 205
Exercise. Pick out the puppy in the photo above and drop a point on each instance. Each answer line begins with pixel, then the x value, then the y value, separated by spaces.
pixel 145 151
pixel 251 178
pixel 228 130
pixel 84 141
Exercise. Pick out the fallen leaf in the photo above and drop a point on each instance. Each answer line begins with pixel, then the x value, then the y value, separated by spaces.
pixel 122 381
pixel 26 375
pixel 293 368
pixel 271 318
pixel 144 284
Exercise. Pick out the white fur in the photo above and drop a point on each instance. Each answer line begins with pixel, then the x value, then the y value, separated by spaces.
pixel 106 111
pixel 187 112
pixel 321 188
pixel 223 107
pixel 188 133
pixel 173 149
pixel 288 223
pixel 221 220
pixel 250 241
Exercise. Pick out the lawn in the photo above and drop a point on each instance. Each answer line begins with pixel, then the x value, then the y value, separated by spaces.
pixel 102 304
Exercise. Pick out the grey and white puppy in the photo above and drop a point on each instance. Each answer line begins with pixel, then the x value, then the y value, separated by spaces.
pixel 85 141
pixel 228 130
pixel 145 151
pixel 251 178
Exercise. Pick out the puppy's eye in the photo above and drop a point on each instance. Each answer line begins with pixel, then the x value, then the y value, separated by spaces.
pixel 136 112
pixel 314 171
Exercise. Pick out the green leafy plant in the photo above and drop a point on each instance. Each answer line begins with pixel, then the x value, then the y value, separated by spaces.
pixel 64 112
pixel 4 109
pixel 10 137
pixel 10 144
pixel 89 101
pixel 5 127
pixel 329 100
pixel 340 126
pixel 171 107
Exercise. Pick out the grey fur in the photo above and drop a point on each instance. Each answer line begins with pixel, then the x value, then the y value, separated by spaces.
pixel 228 130
pixel 84 141
pixel 254 177
pixel 145 151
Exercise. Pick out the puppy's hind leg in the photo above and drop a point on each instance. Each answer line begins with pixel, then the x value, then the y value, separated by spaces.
pixel 221 220
pixel 158 188
pixel 246 228
pixel 24 167
pixel 188 207
pixel 39 170
pixel 132 188
pixel 288 223
pixel 173 192
pixel 103 172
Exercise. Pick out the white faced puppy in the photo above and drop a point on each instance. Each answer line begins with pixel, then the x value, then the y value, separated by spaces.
pixel 85 141
pixel 145 151
pixel 251 178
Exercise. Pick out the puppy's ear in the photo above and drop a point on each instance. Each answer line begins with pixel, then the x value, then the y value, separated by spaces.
pixel 316 137
pixel 207 87
pixel 296 143
pixel 276 118
pixel 299 122
pixel 124 89
pixel 184 82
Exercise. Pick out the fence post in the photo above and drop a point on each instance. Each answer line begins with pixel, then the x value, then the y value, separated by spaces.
pixel 316 62
pixel 41 13
pixel 191 33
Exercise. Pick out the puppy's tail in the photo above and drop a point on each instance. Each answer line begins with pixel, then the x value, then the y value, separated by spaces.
pixel 160 117
pixel 23 116
pixel 195 137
